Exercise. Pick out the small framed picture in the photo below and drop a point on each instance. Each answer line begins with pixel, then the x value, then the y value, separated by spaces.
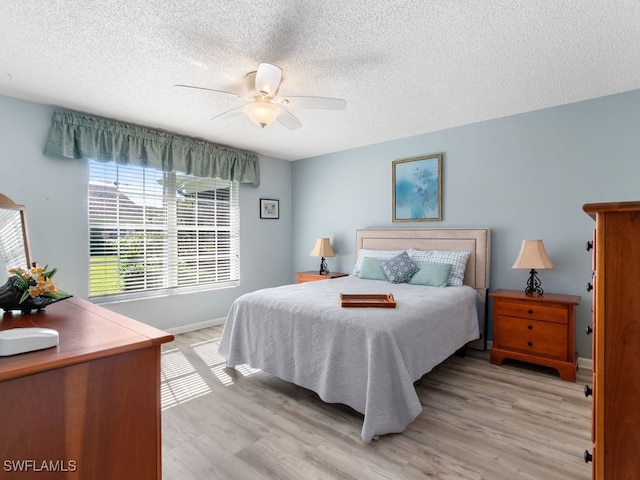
pixel 269 208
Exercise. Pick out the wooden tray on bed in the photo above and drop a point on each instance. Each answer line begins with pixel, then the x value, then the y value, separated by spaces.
pixel 380 300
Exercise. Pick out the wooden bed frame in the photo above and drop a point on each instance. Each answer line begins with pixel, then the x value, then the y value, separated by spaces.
pixel 474 240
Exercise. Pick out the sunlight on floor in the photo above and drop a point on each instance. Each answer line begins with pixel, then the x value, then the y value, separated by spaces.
pixel 180 382
pixel 208 352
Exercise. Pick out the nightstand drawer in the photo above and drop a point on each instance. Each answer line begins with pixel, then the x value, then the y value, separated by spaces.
pixel 303 277
pixel 532 310
pixel 531 336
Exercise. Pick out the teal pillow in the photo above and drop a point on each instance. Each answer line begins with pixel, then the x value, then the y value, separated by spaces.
pixel 371 269
pixel 432 274
pixel 399 269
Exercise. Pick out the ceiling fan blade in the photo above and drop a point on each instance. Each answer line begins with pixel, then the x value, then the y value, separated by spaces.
pixel 268 78
pixel 232 112
pixel 288 120
pixel 325 103
pixel 239 95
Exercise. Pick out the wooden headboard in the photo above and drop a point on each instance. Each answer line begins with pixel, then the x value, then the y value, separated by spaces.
pixel 474 240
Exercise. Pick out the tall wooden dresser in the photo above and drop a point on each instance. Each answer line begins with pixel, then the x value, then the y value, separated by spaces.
pixel 88 408
pixel 615 430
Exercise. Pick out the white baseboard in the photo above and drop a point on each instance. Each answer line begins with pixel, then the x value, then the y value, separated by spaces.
pixel 584 363
pixel 195 326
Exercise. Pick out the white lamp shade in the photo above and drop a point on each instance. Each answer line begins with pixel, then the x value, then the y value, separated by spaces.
pixel 533 255
pixel 322 248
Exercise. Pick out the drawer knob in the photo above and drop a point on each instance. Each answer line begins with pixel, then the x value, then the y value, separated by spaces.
pixel 589 330
pixel 589 287
pixel 588 391
pixel 530 327
pixel 530 344
pixel 587 456
pixel 530 312
pixel 589 245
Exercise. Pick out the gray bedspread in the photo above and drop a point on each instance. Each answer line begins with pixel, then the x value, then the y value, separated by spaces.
pixel 366 358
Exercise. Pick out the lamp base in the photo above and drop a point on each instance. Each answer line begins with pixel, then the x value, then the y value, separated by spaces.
pixel 324 269
pixel 533 284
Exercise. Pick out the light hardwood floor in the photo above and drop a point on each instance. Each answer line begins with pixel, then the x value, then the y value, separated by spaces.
pixel 480 421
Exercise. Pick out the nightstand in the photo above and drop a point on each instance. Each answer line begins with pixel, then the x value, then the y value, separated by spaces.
pixel 536 329
pixel 314 276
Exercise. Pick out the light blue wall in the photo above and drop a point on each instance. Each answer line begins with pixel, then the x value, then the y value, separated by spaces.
pixel 54 191
pixel 525 176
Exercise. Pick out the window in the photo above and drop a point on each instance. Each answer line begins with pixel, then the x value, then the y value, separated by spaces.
pixel 154 233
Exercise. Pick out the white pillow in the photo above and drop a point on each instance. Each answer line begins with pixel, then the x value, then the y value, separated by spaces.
pixel 379 254
pixel 457 259
pixel 419 255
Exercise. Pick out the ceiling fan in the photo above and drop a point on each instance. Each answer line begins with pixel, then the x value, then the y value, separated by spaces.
pixel 265 105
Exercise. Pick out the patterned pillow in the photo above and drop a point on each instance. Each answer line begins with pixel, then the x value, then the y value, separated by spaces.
pixel 399 269
pixel 432 274
pixel 369 253
pixel 457 259
pixel 421 256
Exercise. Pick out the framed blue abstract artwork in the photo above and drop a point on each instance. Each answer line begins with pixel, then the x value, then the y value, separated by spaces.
pixel 417 189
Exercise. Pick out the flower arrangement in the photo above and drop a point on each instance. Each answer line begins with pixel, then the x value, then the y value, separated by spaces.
pixel 36 282
pixel 29 289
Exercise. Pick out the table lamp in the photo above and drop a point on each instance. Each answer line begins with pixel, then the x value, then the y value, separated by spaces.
pixel 533 255
pixel 322 249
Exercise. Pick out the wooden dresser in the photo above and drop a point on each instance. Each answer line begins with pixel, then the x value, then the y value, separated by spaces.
pixel 536 329
pixel 88 408
pixel 615 430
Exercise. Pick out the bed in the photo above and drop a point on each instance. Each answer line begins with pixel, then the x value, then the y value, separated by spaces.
pixel 366 358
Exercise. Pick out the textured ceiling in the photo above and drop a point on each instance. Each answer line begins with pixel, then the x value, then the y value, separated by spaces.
pixel 404 67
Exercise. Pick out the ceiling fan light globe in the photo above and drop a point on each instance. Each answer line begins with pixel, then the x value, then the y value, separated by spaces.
pixel 262 113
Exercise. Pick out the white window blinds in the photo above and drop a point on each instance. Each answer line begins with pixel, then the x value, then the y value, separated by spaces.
pixel 12 246
pixel 153 232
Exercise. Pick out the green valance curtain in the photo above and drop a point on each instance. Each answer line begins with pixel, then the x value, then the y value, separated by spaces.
pixel 74 135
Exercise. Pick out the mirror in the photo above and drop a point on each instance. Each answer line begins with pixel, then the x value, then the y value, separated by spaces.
pixel 14 240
